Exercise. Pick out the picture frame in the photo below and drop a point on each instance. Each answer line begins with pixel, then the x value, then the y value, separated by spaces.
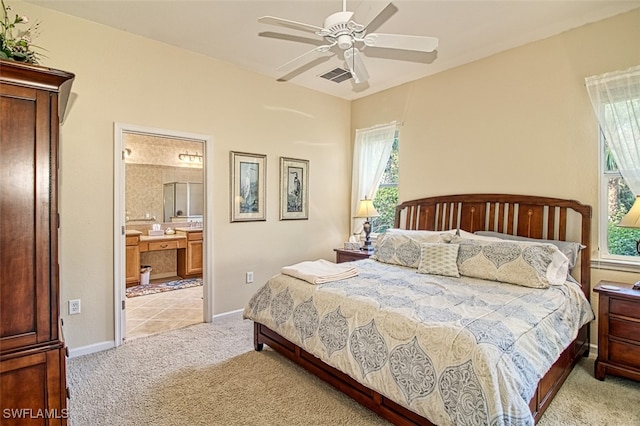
pixel 294 189
pixel 248 187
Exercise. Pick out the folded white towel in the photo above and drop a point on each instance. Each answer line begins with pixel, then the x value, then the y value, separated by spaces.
pixel 320 271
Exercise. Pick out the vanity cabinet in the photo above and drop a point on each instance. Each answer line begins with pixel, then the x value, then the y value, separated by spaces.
pixel 190 258
pixel 32 351
pixel 132 250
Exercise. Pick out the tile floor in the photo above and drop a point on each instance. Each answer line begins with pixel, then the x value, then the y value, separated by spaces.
pixel 155 313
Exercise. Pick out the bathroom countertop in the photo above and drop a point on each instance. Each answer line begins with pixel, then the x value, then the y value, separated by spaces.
pixel 162 237
pixel 131 232
pixel 188 229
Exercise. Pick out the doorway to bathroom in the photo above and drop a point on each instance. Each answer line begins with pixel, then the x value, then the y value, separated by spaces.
pixel 164 231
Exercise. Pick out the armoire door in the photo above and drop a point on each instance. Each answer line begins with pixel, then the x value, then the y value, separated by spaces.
pixel 27 171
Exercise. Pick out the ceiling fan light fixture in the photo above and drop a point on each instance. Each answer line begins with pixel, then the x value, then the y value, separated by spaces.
pixel 345 41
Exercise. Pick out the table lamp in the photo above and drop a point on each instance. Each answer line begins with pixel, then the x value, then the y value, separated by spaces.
pixel 632 220
pixel 366 211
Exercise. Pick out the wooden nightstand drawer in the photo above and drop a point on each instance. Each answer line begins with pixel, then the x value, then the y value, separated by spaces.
pixel 618 331
pixel 626 308
pixel 343 255
pixel 624 353
pixel 624 329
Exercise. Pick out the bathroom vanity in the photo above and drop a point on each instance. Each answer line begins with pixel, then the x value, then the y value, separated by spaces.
pixel 190 259
pixel 132 250
pixel 187 242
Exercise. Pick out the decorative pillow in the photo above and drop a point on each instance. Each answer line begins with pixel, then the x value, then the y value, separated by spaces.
pixel 516 262
pixel 568 248
pixel 400 249
pixel 439 259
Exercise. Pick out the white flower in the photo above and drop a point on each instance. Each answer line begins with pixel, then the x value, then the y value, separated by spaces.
pixel 16 44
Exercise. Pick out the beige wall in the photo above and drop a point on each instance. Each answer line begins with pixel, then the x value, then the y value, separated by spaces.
pixel 129 79
pixel 517 122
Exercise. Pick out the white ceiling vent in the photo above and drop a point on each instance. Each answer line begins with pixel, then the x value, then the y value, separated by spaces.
pixel 337 75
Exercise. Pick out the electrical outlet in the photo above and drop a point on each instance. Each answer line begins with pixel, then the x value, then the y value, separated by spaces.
pixel 249 277
pixel 74 307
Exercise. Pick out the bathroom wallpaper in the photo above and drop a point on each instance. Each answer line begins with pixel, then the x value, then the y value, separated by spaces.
pixel 162 151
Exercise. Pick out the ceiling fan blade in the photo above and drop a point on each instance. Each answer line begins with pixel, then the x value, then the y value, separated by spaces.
pixel 400 41
pixel 272 20
pixel 382 16
pixel 356 66
pixel 303 68
pixel 320 49
pixel 291 37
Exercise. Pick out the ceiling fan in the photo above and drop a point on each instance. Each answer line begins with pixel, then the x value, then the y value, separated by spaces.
pixel 340 30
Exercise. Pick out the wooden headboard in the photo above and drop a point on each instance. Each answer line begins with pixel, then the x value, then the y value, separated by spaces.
pixel 523 215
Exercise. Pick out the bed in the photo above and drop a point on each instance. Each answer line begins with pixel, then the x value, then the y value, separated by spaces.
pixel 422 349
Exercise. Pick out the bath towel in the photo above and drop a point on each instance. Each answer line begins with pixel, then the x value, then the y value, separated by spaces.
pixel 320 271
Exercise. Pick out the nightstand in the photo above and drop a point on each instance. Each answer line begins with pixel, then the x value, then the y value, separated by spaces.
pixel 618 331
pixel 343 255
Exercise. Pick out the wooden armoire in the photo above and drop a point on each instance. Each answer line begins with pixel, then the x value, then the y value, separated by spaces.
pixel 33 387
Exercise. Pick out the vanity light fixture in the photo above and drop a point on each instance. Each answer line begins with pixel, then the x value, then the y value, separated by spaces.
pixel 190 158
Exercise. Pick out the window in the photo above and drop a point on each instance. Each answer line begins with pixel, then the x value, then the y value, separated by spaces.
pixel 616 199
pixel 371 153
pixel 615 97
pixel 386 198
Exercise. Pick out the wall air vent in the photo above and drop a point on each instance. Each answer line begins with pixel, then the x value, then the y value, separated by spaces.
pixel 337 75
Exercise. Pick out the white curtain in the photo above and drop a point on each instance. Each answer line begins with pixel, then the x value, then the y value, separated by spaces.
pixel 371 153
pixel 615 97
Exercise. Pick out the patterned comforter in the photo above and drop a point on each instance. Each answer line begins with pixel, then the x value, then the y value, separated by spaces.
pixel 458 351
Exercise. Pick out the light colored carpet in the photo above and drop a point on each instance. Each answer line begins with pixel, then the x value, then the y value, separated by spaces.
pixel 210 375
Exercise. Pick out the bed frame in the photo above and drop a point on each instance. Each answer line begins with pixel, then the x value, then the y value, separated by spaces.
pixel 523 215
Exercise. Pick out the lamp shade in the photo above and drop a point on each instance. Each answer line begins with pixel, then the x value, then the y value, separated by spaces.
pixel 632 218
pixel 366 209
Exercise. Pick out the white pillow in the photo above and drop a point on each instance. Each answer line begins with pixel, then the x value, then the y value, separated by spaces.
pixel 471 236
pixel 439 259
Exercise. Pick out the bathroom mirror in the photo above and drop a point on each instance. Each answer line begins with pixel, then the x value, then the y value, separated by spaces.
pixel 183 201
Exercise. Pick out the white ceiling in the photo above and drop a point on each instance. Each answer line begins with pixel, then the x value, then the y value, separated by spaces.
pixel 229 31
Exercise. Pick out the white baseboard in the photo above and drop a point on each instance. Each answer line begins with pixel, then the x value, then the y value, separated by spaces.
pixel 237 314
pixel 103 346
pixel 89 349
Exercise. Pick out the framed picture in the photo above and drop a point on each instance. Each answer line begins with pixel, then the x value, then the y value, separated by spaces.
pixel 248 187
pixel 294 189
